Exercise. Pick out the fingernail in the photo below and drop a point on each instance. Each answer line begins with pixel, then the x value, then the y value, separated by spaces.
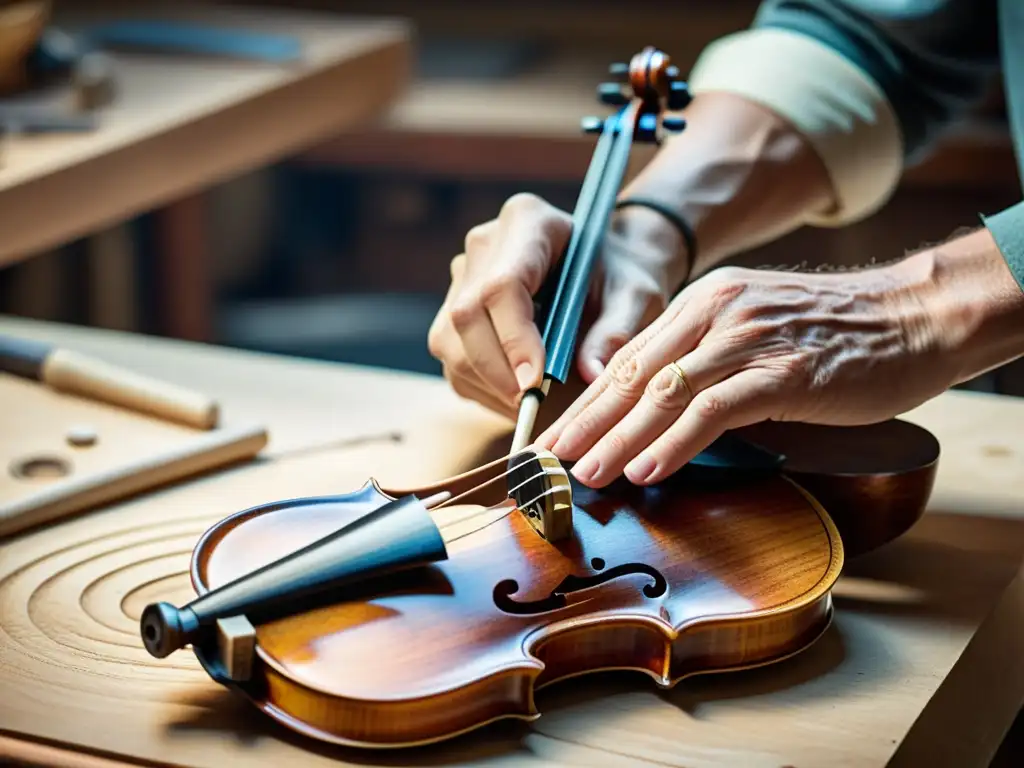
pixel 569 442
pixel 640 468
pixel 524 376
pixel 586 469
pixel 545 441
pixel 594 369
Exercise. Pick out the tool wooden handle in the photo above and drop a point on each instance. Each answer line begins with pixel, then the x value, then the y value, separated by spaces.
pixel 79 374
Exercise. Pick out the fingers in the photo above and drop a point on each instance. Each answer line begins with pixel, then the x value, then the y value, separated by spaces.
pixel 510 307
pixel 665 398
pixel 492 312
pixel 742 399
pixel 471 388
pixel 482 348
pixel 623 383
pixel 445 345
pixel 626 311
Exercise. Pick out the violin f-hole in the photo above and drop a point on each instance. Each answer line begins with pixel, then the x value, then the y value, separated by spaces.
pixel 504 589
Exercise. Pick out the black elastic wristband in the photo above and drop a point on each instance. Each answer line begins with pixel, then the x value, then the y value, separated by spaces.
pixel 678 221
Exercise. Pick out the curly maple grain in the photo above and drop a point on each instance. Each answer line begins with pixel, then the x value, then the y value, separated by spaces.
pixel 666 581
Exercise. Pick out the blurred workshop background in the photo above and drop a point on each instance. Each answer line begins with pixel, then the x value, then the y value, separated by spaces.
pixel 340 250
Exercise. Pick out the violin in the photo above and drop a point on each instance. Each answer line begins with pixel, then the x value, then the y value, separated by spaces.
pixel 384 617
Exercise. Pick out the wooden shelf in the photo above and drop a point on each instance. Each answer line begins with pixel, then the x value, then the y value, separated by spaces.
pixel 528 128
pixel 181 123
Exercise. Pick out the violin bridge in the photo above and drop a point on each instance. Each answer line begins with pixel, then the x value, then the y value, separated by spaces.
pixel 540 487
pixel 236 647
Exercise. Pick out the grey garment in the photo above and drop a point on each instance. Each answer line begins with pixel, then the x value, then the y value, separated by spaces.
pixel 934 59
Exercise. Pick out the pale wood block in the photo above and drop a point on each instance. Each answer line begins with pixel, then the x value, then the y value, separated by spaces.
pixel 236 644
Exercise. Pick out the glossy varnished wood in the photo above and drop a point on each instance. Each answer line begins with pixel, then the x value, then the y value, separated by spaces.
pixel 741 577
pixel 875 479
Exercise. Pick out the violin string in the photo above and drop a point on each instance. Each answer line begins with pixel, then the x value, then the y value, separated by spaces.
pixel 545 472
pixel 546 492
pixel 484 484
pixel 494 479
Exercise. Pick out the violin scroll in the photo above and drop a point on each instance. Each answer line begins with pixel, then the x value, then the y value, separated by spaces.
pixel 655 84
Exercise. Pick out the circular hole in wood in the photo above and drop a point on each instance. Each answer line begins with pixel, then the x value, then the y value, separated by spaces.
pixel 40 468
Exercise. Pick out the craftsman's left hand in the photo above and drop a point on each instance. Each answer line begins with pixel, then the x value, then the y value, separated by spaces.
pixel 826 348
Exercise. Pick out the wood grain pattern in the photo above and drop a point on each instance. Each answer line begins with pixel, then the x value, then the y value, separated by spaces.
pixel 921 664
pixel 47 475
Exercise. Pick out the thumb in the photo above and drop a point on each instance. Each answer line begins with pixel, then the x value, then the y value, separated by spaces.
pixel 625 313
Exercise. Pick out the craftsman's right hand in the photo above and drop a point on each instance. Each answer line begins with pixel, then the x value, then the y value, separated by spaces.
pixel 485 334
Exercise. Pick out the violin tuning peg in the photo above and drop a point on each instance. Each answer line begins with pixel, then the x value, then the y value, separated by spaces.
pixel 619 70
pixel 647 129
pixel 673 124
pixel 591 124
pixel 679 96
pixel 611 94
pixel 672 72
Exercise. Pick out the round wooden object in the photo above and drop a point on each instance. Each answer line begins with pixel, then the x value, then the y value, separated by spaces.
pixel 875 480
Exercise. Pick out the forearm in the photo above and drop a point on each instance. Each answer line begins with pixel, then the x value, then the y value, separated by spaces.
pixel 962 301
pixel 784 131
pixel 739 175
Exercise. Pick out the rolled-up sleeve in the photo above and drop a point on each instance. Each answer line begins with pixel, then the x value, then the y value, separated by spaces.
pixel 1007 229
pixel 871 83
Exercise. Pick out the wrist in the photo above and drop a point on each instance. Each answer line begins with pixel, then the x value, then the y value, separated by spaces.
pixel 655 243
pixel 739 175
pixel 960 300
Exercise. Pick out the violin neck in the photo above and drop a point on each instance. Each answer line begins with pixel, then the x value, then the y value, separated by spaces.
pixel 594 208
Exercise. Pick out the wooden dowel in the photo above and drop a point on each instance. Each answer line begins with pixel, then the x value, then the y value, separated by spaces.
pixel 78 374
pixel 86 376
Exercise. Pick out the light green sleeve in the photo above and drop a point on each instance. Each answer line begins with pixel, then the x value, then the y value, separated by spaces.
pixel 1007 228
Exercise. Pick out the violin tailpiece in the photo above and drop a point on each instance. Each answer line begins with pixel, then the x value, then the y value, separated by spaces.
pixel 236 647
pixel 395 536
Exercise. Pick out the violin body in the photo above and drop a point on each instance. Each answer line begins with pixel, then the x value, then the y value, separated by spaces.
pixel 662 583
pixel 710 571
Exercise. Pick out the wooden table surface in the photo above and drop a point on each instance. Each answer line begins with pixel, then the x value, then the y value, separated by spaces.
pixel 922 666
pixel 182 122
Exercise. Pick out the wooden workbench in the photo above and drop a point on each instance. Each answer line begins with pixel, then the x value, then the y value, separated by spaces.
pixel 181 122
pixel 922 667
pixel 179 125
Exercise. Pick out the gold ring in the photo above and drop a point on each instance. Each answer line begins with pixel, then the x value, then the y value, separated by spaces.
pixel 678 371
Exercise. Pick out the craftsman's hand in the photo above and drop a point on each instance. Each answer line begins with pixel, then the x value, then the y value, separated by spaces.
pixel 485 334
pixel 826 348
